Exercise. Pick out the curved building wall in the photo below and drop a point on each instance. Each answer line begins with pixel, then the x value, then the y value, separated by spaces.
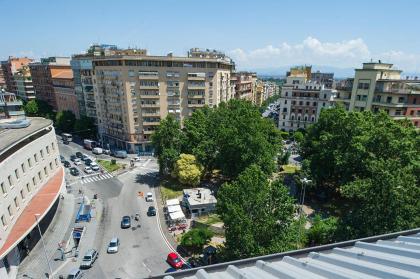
pixel 23 174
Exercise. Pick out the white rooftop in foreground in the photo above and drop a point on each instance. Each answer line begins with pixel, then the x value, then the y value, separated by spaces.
pixel 387 256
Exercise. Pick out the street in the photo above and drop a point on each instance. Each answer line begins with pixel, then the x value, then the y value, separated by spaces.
pixel 143 249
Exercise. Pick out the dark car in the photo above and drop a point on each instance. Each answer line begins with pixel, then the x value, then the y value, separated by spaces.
pixel 66 164
pixel 126 222
pixel 84 157
pixel 74 171
pixel 88 162
pixel 62 158
pixel 79 154
pixel 73 157
pixel 66 142
pixel 151 211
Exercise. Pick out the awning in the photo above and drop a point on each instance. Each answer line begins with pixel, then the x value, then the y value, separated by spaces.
pixel 172 202
pixel 40 204
pixel 177 215
pixel 174 208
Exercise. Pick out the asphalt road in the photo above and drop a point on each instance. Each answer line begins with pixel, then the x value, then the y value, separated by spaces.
pixel 143 249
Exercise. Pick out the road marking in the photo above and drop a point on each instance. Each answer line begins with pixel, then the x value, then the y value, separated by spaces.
pixel 148 269
pixel 147 162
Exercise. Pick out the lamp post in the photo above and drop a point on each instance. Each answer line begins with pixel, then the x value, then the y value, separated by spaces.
pixel 43 244
pixel 304 181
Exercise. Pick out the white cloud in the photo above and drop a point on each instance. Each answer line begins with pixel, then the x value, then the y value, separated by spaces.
pixel 344 54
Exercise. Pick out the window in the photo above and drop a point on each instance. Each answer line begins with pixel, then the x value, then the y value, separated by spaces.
pixel 16 202
pixel 56 162
pixel 300 103
pixel 3 188
pixel 325 96
pixel 284 109
pixel 9 178
pixel 39 175
pixel 52 146
pixel 3 221
pixel 314 104
pixel 131 73
pixel 48 149
pixel 45 171
pixel 17 173
pixel 28 188
pixel 22 195
pixel 323 104
pixel 41 153
pixel 401 100
pixel 398 112
pixel 308 103
pixel 287 94
pixel 33 181
pixel 29 162
pixel 414 101
pixel 9 209
pixel 388 100
pixel 35 157
pixel 51 166
pixel 284 116
pixel 363 85
pixel 412 112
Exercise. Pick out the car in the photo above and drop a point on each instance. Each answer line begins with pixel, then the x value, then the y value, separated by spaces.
pixel 62 159
pixel 73 157
pixel 66 142
pixel 125 222
pixel 88 162
pixel 74 171
pixel 107 151
pixel 75 274
pixel 94 166
pixel 66 164
pixel 151 211
pixel 77 162
pixel 113 245
pixel 89 258
pixel 84 157
pixel 137 159
pixel 149 197
pixel 174 260
pixel 88 170
pixel 79 154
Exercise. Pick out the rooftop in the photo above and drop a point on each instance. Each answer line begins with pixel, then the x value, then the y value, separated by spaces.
pixel 197 196
pixel 11 136
pixel 395 255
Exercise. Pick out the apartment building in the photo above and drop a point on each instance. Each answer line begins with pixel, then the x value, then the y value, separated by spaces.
pixel 302 99
pixel 42 73
pixel 2 80
pixel 134 91
pixel 378 86
pixel 327 79
pixel 23 84
pixel 259 94
pixel 10 68
pixel 82 67
pixel 64 92
pixel 245 83
pixel 31 181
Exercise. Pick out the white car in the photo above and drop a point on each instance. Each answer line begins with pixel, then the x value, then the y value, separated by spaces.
pixel 113 245
pixel 149 197
pixel 88 170
pixel 106 151
pixel 137 159
pixel 77 162
pixel 94 166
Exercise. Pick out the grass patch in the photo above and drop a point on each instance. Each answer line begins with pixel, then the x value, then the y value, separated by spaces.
pixel 210 219
pixel 170 189
pixel 290 169
pixel 110 167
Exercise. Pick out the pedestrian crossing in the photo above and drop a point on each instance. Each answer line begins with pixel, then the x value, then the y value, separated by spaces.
pixel 95 178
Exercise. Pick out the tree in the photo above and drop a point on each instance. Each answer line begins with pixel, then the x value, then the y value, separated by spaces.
pixel 31 108
pixel 195 239
pixel 257 214
pixel 322 231
pixel 167 141
pixel 65 120
pixel 85 127
pixel 188 170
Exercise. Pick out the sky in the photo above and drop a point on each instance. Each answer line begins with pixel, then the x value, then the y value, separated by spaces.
pixel 257 34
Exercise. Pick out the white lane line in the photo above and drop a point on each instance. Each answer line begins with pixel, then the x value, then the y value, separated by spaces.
pixel 148 269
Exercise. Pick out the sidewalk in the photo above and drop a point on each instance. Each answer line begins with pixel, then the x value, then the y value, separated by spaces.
pixel 35 265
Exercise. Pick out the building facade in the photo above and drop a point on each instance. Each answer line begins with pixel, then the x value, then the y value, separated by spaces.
pixel 30 184
pixel 378 86
pixel 10 106
pixel 301 100
pixel 23 83
pixel 64 92
pixel 10 68
pixel 327 79
pixel 245 85
pixel 42 73
pixel 134 91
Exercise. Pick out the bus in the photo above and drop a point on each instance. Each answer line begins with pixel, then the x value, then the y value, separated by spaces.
pixel 66 137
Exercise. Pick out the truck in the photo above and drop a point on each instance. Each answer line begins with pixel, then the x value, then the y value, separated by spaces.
pixel 89 144
pixel 97 150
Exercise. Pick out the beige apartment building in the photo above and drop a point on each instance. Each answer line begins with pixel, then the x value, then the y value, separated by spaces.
pixel 245 86
pixel 378 86
pixel 134 91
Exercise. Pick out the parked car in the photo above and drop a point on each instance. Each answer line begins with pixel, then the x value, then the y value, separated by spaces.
pixel 84 157
pixel 94 166
pixel 97 150
pixel 89 258
pixel 79 154
pixel 120 154
pixel 151 211
pixel 88 161
pixel 77 162
pixel 88 170
pixel 75 274
pixel 106 151
pixel 74 171
pixel 113 245
pixel 126 222
pixel 66 164
pixel 73 157
pixel 174 261
pixel 137 159
pixel 149 197
pixel 66 142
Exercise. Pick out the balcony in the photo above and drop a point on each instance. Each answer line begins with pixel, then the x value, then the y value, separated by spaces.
pixel 197 76
pixel 148 96
pixel 144 113
pixel 195 105
pixel 149 87
pixel 148 132
pixel 155 105
pixel 173 93
pixel 196 86
pixel 196 96
pixel 389 104
pixel 148 75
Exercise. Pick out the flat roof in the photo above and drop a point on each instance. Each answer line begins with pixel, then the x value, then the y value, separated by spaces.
pixel 10 137
pixel 40 204
pixel 207 197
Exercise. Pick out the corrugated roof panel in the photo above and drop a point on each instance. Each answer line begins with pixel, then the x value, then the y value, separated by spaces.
pixel 293 271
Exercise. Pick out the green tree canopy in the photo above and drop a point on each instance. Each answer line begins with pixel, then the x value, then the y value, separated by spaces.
pixel 322 231
pixel 195 239
pixel 188 170
pixel 257 214
pixel 85 127
pixel 65 120
pixel 31 108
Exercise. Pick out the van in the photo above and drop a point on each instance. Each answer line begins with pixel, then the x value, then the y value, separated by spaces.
pixel 120 154
pixel 97 151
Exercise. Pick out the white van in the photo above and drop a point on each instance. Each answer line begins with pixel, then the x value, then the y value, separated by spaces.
pixel 149 197
pixel 97 151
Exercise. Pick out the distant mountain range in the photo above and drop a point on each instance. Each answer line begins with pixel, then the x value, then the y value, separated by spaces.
pixel 338 72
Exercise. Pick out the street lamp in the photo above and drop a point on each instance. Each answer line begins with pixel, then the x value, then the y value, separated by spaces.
pixel 43 243
pixel 304 181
